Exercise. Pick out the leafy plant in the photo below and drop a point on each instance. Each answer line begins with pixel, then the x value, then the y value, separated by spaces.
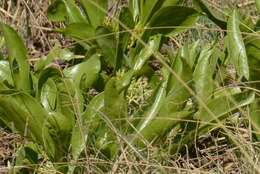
pixel 53 106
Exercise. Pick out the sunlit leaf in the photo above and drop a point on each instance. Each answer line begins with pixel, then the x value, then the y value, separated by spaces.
pixel 236 47
pixel 17 58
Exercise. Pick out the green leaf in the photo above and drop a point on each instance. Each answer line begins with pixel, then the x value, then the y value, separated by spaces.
pixel 203 8
pixel 28 117
pixel 90 123
pixel 134 6
pixel 255 119
pixel 79 31
pixel 190 53
pixel 108 44
pixel 163 21
pixel 24 156
pixel 257 2
pixel 96 11
pixel 148 8
pixel 17 58
pixel 48 73
pixel 126 18
pixel 61 10
pixel 61 123
pixel 253 54
pixel 85 73
pixel 221 106
pixel 154 108
pixel 151 47
pixel 115 102
pixel 70 99
pixel 203 74
pixel 56 53
pixel 236 47
pixel 161 125
pixel 49 94
pixel 167 3
pixel 177 95
pixel 57 11
pixel 5 72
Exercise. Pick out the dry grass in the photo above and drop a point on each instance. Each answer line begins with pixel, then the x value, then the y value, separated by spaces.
pixel 212 154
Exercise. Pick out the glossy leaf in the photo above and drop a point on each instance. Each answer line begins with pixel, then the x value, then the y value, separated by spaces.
pixel 257 2
pixel 49 94
pixel 134 6
pixel 236 47
pixel 161 125
pixel 126 18
pixel 153 46
pixel 5 72
pixel 203 7
pixel 148 8
pixel 90 122
pixel 255 119
pixel 65 9
pixel 80 31
pixel 203 74
pixel 184 18
pixel 176 92
pixel 17 58
pixel 223 105
pixel 114 101
pixel 96 11
pixel 154 108
pixel 56 53
pixel 108 44
pixel 253 54
pixel 28 117
pixel 85 73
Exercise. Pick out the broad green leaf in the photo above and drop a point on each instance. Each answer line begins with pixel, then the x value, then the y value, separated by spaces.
pixel 66 9
pixel 177 95
pixel 255 119
pixel 17 58
pixel 108 44
pixel 56 53
pixel 161 125
pixel 5 72
pixel 154 108
pixel 70 99
pixel 96 11
pixel 236 47
pixel 190 53
pixel 57 11
pixel 203 74
pixel 134 6
pixel 257 2
pixel 114 101
pixel 48 73
pixel 28 117
pixel 221 106
pixel 152 47
pixel 79 31
pixel 90 123
pixel 126 18
pixel 49 95
pixel 24 156
pixel 204 8
pixel 253 54
pixel 61 123
pixel 173 20
pixel 148 8
pixel 85 73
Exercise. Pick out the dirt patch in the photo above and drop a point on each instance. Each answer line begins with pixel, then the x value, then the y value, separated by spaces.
pixel 9 142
